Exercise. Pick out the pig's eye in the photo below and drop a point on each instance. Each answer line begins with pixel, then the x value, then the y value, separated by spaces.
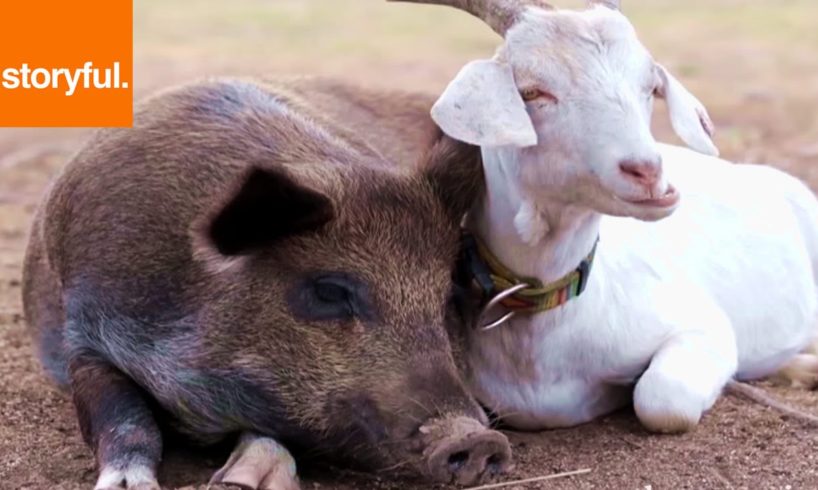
pixel 331 293
pixel 331 296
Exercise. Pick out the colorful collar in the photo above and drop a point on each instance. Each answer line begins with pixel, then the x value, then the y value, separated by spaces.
pixel 501 286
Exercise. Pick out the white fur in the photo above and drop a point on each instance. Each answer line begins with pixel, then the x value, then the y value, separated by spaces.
pixel 470 116
pixel 724 286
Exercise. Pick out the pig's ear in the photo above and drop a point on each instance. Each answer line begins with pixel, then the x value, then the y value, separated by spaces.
pixel 266 205
pixel 455 171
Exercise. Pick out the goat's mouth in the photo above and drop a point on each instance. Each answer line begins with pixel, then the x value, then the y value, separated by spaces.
pixel 668 200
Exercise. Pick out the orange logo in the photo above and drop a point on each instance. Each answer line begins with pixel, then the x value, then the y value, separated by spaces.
pixel 66 63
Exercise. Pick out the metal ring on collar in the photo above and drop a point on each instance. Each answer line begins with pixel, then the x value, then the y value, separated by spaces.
pixel 496 300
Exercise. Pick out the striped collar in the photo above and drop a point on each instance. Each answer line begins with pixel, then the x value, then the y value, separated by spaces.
pixel 519 295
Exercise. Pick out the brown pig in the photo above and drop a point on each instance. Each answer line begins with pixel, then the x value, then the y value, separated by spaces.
pixel 262 259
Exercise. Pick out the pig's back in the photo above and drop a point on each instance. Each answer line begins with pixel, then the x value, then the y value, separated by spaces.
pixel 117 223
pixel 396 123
pixel 42 304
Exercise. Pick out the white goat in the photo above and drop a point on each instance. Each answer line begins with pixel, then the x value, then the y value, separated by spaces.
pixel 724 287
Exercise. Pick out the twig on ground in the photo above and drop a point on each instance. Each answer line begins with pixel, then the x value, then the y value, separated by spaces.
pixel 531 480
pixel 722 478
pixel 761 397
pixel 631 443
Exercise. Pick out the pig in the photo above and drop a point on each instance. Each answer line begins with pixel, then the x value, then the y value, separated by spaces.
pixel 264 259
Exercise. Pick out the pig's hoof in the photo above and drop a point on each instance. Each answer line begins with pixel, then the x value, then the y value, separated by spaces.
pixel 133 477
pixel 800 372
pixel 259 463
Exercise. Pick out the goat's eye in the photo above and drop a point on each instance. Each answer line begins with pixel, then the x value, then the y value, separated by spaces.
pixel 330 296
pixel 531 94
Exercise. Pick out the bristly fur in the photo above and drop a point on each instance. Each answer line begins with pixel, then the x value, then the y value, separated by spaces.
pixel 160 263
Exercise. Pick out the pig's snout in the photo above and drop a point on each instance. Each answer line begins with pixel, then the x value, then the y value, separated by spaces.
pixel 470 458
pixel 461 450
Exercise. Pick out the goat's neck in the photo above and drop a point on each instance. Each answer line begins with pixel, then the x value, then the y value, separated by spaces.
pixel 532 233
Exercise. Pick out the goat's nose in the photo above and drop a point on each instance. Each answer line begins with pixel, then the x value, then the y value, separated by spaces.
pixel 645 173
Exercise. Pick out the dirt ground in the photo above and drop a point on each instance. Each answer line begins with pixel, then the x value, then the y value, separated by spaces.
pixel 753 62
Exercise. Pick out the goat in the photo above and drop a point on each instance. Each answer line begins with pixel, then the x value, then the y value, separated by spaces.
pixel 720 285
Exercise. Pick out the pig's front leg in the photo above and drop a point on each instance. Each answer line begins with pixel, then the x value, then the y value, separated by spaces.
pixel 685 377
pixel 116 423
pixel 259 463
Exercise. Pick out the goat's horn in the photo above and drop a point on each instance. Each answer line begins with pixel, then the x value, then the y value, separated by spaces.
pixel 612 4
pixel 500 15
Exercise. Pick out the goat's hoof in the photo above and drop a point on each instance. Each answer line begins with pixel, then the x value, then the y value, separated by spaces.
pixel 667 421
pixel 800 372
pixel 669 408
pixel 259 463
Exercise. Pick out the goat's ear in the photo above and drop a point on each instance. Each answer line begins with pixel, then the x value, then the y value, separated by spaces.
pixel 265 206
pixel 687 115
pixel 483 106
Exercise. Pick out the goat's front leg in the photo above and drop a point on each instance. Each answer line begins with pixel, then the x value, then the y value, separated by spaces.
pixel 685 377
pixel 259 463
pixel 117 423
